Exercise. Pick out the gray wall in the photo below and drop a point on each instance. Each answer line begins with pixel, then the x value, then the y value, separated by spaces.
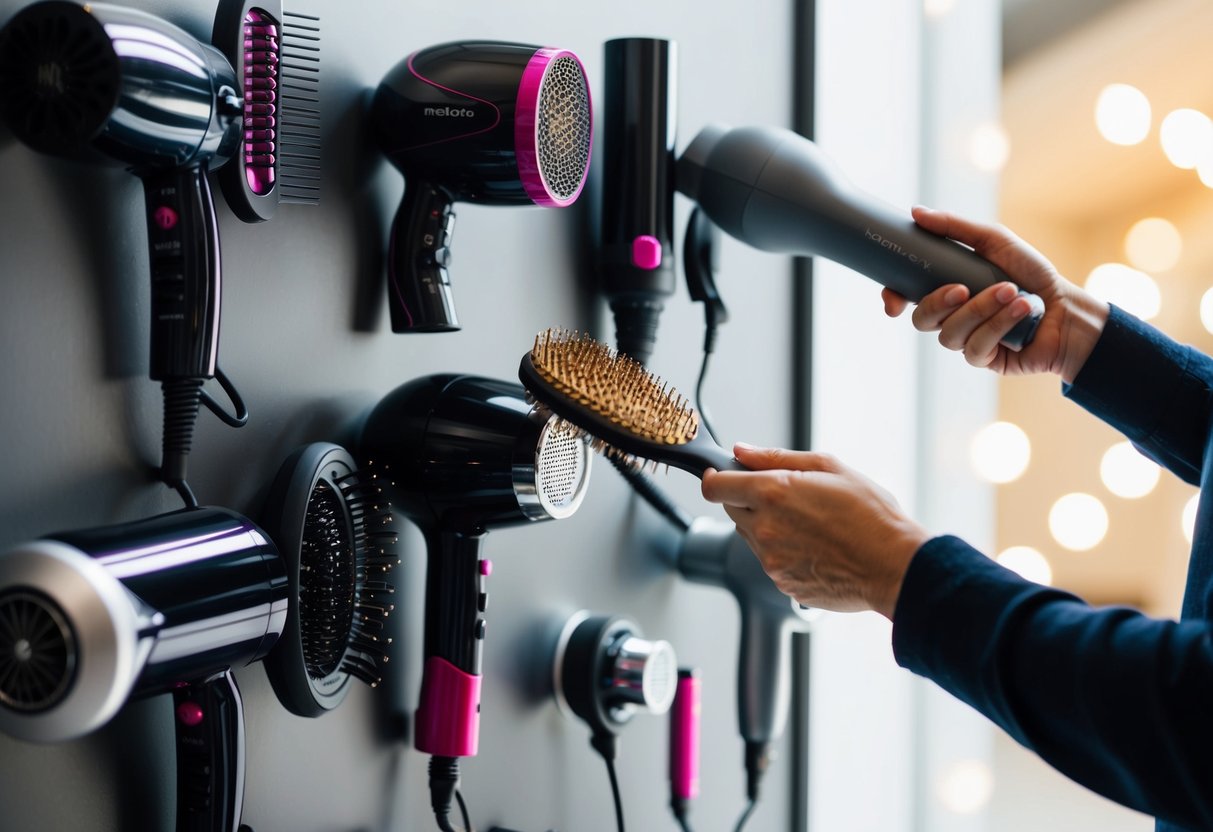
pixel 305 338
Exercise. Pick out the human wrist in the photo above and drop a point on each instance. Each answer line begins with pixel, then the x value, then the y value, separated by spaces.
pixel 887 589
pixel 1083 324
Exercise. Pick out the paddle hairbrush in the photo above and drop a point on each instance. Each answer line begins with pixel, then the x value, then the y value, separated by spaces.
pixel 627 411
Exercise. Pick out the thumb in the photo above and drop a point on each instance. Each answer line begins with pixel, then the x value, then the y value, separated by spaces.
pixel 766 459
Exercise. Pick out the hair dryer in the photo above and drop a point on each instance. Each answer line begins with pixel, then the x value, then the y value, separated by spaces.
pixel 712 553
pixel 636 246
pixel 477 121
pixel 117 85
pixel 90 618
pixel 777 191
pixel 460 455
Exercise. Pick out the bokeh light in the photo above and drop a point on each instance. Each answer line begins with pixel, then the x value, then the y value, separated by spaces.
pixel 1154 245
pixel 1028 563
pixel 1122 114
pixel 1132 290
pixel 966 787
pixel 1127 473
pixel 1189 516
pixel 989 147
pixel 1186 137
pixel 1000 452
pixel 937 8
pixel 1078 521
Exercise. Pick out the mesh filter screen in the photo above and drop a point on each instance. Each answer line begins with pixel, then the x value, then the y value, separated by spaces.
pixel 564 127
pixel 562 468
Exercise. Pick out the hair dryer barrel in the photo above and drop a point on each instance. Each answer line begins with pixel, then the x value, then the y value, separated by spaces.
pixel 777 191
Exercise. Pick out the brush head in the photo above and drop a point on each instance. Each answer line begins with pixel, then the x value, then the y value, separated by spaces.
pixel 628 411
pixel 333 528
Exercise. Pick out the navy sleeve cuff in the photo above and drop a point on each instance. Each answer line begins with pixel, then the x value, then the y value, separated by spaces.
pixel 1153 390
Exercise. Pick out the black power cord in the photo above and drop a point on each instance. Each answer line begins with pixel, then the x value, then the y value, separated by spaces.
pixel 604 743
pixel 182 396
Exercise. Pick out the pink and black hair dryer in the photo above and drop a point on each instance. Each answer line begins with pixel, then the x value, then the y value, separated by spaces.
pixel 460 455
pixel 473 121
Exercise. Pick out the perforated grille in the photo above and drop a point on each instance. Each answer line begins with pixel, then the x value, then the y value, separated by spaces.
pixel 326 582
pixel 37 652
pixel 564 127
pixel 562 468
pixel 58 76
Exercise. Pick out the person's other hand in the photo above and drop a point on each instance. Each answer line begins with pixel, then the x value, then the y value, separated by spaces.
pixel 976 324
pixel 828 536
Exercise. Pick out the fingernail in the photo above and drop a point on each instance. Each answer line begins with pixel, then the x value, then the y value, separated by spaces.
pixel 1006 293
pixel 745 446
pixel 955 296
pixel 1018 310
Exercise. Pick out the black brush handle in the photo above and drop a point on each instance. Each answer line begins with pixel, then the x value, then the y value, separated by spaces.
pixel 209 717
pixel 419 286
pixel 183 247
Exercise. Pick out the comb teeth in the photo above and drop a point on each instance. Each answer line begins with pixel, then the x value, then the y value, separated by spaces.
pixel 300 95
pixel 615 387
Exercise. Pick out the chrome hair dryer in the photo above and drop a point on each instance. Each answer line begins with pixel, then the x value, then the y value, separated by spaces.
pixel 473 121
pixel 91 618
pixel 712 553
pixel 777 191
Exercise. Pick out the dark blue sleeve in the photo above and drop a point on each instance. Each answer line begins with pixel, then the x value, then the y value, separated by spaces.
pixel 1117 701
pixel 1153 390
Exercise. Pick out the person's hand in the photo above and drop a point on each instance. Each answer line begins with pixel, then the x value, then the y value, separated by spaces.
pixel 828 536
pixel 976 324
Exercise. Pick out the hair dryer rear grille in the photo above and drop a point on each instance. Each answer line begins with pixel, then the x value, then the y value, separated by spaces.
pixel 37 652
pixel 564 127
pixel 58 77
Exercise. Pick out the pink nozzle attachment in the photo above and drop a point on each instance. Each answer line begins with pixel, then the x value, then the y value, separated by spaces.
pixel 448 718
pixel 526 126
pixel 684 737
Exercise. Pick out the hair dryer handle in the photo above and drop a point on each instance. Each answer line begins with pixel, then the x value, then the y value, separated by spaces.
pixel 419 286
pixel 209 718
pixel 764 675
pixel 183 248
pixel 448 715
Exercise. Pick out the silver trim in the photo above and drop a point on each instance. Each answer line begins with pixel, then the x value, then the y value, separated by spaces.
pixel 204 635
pixel 534 498
pixel 107 627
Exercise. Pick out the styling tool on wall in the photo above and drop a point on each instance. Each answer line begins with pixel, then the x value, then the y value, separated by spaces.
pixel 277 59
pixel 777 191
pixel 332 525
pixel 117 85
pixel 459 456
pixel 685 722
pixel 636 251
pixel 711 552
pixel 605 672
pixel 91 618
pixel 485 122
pixel 624 408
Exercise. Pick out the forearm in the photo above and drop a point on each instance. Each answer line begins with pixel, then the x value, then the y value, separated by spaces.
pixel 1112 699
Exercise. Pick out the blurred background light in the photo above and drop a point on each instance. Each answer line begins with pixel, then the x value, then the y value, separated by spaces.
pixel 1132 290
pixel 1000 452
pixel 1078 521
pixel 1153 245
pixel 1028 563
pixel 1122 114
pixel 1126 472
pixel 1186 136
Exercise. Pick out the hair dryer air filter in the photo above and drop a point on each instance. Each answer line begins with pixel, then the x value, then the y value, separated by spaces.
pixel 477 121
pixel 332 525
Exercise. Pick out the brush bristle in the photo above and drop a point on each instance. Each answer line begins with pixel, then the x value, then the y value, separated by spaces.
pixel 614 386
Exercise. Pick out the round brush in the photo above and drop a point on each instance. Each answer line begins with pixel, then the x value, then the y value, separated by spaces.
pixel 629 412
pixel 332 526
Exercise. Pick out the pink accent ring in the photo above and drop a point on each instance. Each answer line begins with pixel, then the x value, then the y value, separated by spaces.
pixel 646 252
pixel 526 126
pixel 448 716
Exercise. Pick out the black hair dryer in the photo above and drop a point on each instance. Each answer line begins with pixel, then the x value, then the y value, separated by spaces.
pixel 461 455
pixel 473 121
pixel 91 618
pixel 118 85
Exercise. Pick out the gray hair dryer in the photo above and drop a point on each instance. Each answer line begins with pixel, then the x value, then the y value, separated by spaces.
pixel 713 553
pixel 777 191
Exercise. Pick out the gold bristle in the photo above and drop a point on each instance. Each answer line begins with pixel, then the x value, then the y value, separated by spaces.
pixel 614 386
